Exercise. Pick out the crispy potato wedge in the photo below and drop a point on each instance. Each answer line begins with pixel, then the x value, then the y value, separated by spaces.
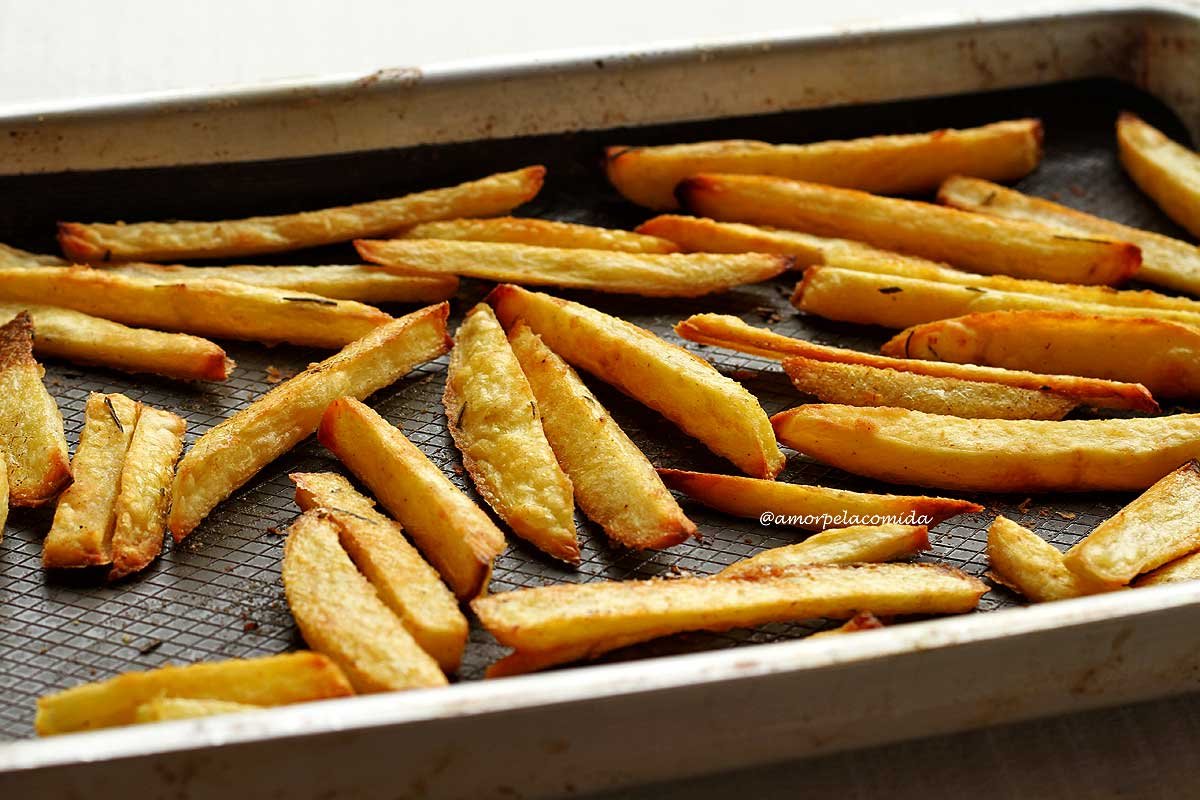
pixel 1031 566
pixel 615 484
pixel 544 232
pixel 862 621
pixel 167 241
pixel 991 455
pixel 1177 571
pixel 165 709
pixel 340 614
pixel 648 274
pixel 405 582
pixel 230 454
pixel 897 164
pixel 270 681
pixel 16 257
pixel 1165 170
pixel 853 545
pixel 496 424
pixel 1158 527
pixel 453 533
pixel 682 387
pixel 82 532
pixel 31 426
pixel 971 241
pixel 1162 356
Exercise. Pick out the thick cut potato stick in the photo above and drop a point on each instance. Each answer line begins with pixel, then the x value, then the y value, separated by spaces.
pixel 853 545
pixel 1158 527
pixel 230 454
pixel 1165 170
pixel 496 424
pixel 82 532
pixel 615 485
pixel 544 232
pixel 16 257
pixel 896 164
pixel 31 426
pixel 405 582
pixel 167 241
pixel 648 274
pixel 270 681
pixel 862 621
pixel 164 709
pixel 1028 564
pixel 453 533
pixel 991 455
pixel 682 387
pixel 971 241
pixel 1177 571
pixel 340 614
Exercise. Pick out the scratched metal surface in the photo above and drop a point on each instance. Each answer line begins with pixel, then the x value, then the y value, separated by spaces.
pixel 219 595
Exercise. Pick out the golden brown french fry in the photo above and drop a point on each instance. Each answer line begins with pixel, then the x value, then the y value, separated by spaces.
pixel 164 709
pixel 615 485
pixel 230 454
pixel 166 241
pixel 1177 571
pixel 31 426
pixel 857 544
pixel 340 614
pixel 405 582
pixel 648 274
pixel 971 241
pixel 897 164
pixel 1160 526
pixel 1163 169
pixel 16 257
pixel 1028 564
pixel 677 384
pixel 453 533
pixel 544 232
pixel 862 621
pixel 82 532
pixel 991 455
pixel 270 681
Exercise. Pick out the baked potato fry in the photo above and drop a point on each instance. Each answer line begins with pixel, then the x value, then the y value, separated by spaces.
pixel 1031 566
pixel 897 164
pixel 682 387
pixel 544 232
pixel 862 621
pixel 269 681
pixel 230 454
pixel 853 545
pixel 168 241
pixel 970 241
pixel 16 257
pixel 165 709
pixel 1165 170
pixel 1177 571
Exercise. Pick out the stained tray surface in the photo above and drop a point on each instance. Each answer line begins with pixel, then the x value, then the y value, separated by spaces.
pixel 219 595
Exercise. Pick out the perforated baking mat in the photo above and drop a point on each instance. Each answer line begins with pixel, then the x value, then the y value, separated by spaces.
pixel 219 595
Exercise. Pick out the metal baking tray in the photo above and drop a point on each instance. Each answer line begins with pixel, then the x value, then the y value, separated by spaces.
pixel 681 706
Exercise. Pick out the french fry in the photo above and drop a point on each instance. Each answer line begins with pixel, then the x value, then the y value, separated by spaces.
pixel 168 241
pixel 405 582
pixel 496 424
pixel 615 485
pixel 453 533
pixel 682 387
pixel 897 164
pixel 1160 526
pixel 862 621
pixel 270 681
pixel 340 614
pixel 164 709
pixel 31 426
pixel 82 532
pixel 544 232
pixel 16 257
pixel 1165 170
pixel 1162 356
pixel 971 241
pixel 853 545
pixel 991 455
pixel 1177 571
pixel 730 332
pixel 1028 564
pixel 230 454
pixel 648 274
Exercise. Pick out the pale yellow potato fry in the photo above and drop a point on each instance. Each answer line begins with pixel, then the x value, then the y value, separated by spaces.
pixel 167 241
pixel 1165 170
pixel 340 614
pixel 971 241
pixel 82 532
pixel 682 387
pixel 647 274
pixel 862 621
pixel 144 496
pixel 991 455
pixel 853 545
pixel 16 257
pixel 615 484
pixel 1028 564
pixel 165 709
pixel 545 232
pixel 227 456
pixel 31 426
pixel 522 662
pixel 896 164
pixel 453 533
pixel 405 582
pixel 1160 526
pixel 269 681
pixel 1177 571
